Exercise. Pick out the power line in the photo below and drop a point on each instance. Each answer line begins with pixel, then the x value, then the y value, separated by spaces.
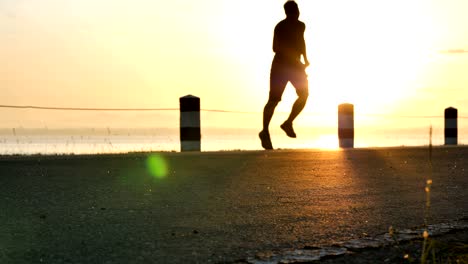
pixel 228 111
pixel 401 116
pixel 177 109
pixel 85 109
pixel 111 109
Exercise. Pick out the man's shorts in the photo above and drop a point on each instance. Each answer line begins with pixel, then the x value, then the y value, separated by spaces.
pixel 281 74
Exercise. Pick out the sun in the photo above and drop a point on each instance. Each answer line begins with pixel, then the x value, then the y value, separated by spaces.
pixel 365 56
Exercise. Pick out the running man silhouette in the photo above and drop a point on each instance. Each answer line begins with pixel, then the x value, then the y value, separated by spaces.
pixel 289 46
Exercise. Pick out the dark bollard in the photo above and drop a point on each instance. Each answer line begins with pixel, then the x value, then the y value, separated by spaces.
pixel 346 125
pixel 190 134
pixel 451 126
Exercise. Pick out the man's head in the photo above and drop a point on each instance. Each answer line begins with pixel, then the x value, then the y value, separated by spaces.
pixel 291 9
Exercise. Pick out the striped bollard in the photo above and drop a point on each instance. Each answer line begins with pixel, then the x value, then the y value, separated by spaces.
pixel 190 134
pixel 451 126
pixel 346 125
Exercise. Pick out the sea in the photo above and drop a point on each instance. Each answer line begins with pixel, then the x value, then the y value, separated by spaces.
pixel 44 141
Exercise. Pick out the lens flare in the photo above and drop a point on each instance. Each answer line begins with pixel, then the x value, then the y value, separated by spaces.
pixel 157 166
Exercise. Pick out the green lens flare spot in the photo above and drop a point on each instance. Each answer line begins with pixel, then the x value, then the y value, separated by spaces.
pixel 157 166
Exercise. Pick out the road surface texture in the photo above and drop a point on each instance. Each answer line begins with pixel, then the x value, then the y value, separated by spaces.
pixel 221 207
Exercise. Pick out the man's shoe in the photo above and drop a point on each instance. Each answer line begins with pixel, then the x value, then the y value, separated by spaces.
pixel 265 138
pixel 288 128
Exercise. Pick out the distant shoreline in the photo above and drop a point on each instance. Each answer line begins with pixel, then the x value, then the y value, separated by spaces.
pixel 137 154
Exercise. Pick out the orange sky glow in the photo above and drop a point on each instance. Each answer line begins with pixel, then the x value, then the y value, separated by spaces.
pixel 395 58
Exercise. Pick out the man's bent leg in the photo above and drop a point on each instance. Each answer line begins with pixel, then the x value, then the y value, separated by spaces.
pixel 299 81
pixel 287 126
pixel 297 108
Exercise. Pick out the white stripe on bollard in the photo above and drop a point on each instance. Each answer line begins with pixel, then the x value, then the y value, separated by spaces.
pixel 347 143
pixel 190 119
pixel 190 145
pixel 451 123
pixel 346 121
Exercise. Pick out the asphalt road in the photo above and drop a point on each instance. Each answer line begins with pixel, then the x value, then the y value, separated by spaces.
pixel 218 207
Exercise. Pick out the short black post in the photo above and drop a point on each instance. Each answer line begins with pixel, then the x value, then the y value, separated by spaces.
pixel 346 125
pixel 190 134
pixel 451 126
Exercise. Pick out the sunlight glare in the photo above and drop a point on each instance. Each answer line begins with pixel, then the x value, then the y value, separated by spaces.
pixel 327 142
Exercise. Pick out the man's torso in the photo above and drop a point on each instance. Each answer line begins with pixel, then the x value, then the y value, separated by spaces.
pixel 289 38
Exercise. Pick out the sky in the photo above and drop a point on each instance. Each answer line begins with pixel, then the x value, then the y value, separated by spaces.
pixel 390 58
